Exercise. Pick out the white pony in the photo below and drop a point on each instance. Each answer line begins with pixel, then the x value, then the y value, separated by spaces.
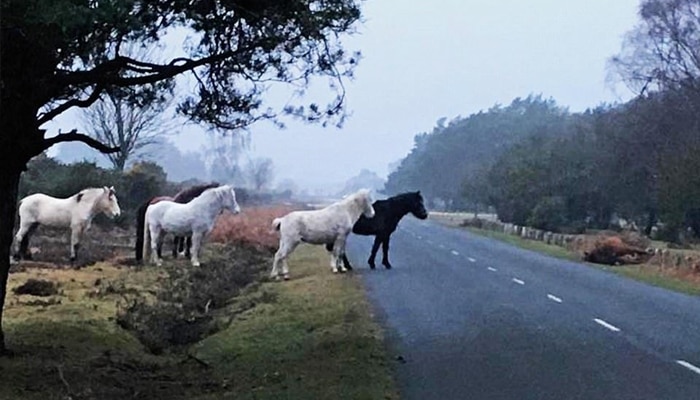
pixel 76 211
pixel 195 218
pixel 332 224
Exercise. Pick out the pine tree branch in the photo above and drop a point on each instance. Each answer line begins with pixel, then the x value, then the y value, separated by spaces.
pixel 74 136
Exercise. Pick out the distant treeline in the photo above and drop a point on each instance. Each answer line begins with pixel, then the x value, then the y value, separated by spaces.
pixel 538 164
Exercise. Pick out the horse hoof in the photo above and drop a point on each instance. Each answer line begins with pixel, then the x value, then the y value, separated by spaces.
pixel 387 266
pixel 372 266
pixel 286 277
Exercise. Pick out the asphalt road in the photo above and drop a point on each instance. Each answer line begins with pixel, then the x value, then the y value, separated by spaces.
pixel 473 318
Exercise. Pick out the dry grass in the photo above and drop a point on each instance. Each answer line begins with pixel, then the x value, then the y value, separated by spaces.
pixel 252 227
pixel 50 247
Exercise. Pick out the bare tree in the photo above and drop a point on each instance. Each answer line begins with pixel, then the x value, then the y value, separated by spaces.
pixel 259 172
pixel 118 123
pixel 118 120
pixel 663 50
pixel 222 156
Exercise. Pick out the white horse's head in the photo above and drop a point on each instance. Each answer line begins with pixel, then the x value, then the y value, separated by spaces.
pixel 364 199
pixel 108 203
pixel 229 199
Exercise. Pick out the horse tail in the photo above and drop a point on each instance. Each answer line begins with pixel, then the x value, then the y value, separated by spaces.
pixel 276 223
pixel 140 226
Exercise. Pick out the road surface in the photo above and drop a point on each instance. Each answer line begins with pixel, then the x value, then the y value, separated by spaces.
pixel 473 318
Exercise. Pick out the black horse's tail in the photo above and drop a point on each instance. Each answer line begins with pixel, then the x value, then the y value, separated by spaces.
pixel 140 225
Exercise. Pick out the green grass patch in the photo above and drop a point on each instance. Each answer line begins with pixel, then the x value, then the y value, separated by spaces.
pixel 534 245
pixel 308 338
pixel 653 276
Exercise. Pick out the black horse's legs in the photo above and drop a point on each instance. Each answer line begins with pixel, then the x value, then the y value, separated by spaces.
pixel 346 262
pixel 160 250
pixel 187 247
pixel 176 245
pixel 373 254
pixel 385 252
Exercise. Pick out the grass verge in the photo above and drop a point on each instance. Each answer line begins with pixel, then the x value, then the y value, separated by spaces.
pixel 309 338
pixel 651 274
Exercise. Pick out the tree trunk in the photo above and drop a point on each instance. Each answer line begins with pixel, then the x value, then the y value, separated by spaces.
pixel 20 141
pixel 9 183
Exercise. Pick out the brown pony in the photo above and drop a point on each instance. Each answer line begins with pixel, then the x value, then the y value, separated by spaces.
pixel 184 196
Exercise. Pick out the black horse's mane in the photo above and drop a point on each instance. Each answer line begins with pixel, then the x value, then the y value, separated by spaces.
pixel 186 195
pixel 404 196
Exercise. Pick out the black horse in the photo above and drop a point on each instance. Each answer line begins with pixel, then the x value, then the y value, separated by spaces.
pixel 184 196
pixel 387 215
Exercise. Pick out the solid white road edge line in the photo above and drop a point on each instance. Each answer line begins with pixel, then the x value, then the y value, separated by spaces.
pixel 689 366
pixel 607 325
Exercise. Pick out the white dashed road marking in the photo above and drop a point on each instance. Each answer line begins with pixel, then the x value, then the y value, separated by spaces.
pixel 518 281
pixel 492 269
pixel 607 325
pixel 689 366
pixel 471 259
pixel 455 253
pixel 554 298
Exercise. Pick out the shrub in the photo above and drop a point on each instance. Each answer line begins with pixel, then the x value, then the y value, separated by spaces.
pixel 549 214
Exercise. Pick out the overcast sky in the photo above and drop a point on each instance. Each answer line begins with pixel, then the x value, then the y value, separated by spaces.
pixel 424 60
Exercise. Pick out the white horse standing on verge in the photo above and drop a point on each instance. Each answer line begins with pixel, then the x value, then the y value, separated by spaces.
pixel 195 218
pixel 76 211
pixel 332 224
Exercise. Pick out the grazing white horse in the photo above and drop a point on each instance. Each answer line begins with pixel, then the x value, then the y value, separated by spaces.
pixel 76 211
pixel 195 218
pixel 330 225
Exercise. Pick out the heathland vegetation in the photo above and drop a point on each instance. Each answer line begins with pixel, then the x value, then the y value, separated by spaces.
pixel 105 328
